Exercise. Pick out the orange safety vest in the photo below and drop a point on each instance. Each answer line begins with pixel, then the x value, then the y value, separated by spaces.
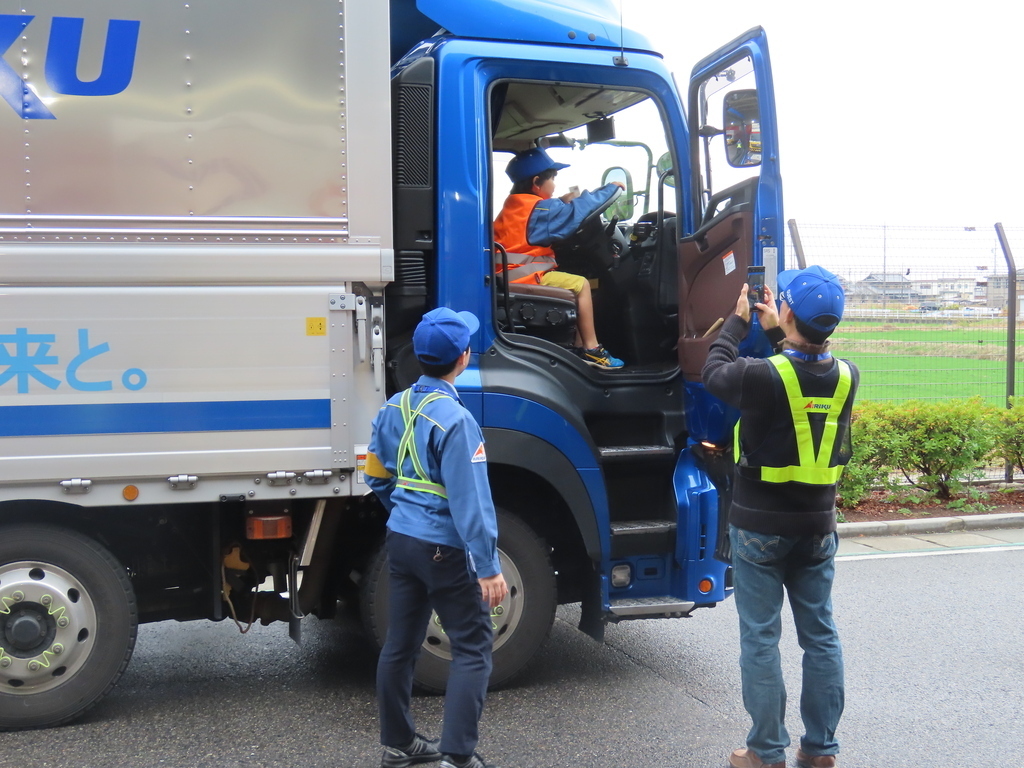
pixel 532 261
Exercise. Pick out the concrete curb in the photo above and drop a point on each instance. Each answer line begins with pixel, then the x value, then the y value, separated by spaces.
pixel 932 525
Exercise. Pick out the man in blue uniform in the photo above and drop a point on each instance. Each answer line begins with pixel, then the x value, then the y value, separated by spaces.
pixel 426 463
pixel 793 439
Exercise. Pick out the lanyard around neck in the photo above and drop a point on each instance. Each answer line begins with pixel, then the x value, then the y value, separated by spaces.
pixel 806 357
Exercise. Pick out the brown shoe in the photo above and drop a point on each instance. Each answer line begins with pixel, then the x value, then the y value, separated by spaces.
pixel 803 760
pixel 744 758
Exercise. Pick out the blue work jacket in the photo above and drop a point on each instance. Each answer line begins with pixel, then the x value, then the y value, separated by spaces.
pixel 554 219
pixel 450 447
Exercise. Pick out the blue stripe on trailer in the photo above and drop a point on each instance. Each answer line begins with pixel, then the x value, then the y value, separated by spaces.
pixel 127 418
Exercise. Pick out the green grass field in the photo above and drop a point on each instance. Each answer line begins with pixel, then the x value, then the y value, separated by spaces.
pixel 954 335
pixel 898 377
pixel 956 358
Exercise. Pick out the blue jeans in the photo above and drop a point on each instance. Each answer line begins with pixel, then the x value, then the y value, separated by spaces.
pixel 805 566
pixel 419 583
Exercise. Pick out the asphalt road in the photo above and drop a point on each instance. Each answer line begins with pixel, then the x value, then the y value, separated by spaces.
pixel 934 670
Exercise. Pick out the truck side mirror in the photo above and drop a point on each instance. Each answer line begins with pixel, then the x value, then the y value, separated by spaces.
pixel 665 164
pixel 622 209
pixel 742 122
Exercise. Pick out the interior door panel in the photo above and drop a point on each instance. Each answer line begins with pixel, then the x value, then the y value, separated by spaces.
pixel 712 269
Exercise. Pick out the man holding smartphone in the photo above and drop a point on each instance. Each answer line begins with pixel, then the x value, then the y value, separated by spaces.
pixel 793 441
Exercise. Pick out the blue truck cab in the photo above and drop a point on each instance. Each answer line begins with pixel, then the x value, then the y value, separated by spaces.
pixel 615 475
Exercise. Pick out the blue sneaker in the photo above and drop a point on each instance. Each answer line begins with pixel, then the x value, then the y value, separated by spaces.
pixel 599 358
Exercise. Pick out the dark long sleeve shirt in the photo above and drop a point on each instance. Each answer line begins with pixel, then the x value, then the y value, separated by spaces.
pixel 752 386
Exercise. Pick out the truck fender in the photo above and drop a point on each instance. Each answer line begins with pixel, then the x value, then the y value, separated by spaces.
pixel 528 452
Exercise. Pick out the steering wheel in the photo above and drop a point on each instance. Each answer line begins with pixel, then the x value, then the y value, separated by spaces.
pixel 591 249
pixel 595 216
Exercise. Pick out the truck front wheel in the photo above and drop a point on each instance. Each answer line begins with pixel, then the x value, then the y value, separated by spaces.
pixel 521 623
pixel 67 625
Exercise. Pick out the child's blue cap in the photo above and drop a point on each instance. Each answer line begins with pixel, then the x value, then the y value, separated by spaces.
pixel 443 335
pixel 530 163
pixel 815 295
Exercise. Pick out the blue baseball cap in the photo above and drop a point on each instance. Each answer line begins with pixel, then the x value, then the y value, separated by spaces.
pixel 815 295
pixel 442 335
pixel 531 163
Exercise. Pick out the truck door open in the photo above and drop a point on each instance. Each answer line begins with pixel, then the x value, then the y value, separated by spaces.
pixel 736 191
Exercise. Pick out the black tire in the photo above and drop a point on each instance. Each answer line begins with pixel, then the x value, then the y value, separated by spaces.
pixel 68 622
pixel 522 622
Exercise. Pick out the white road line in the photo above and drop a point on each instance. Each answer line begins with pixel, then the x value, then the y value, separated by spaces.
pixel 929 552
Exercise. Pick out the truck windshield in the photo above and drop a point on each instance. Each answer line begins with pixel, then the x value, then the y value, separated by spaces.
pixel 636 141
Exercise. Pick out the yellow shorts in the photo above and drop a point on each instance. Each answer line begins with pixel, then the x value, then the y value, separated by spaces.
pixel 558 279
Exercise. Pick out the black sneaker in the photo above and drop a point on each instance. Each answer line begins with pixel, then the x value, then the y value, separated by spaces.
pixel 420 751
pixel 474 761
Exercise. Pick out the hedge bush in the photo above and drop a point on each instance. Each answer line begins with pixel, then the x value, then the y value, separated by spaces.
pixel 1008 430
pixel 866 469
pixel 933 446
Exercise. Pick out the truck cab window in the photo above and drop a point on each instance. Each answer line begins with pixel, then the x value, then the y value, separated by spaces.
pixel 599 135
pixel 629 154
pixel 729 135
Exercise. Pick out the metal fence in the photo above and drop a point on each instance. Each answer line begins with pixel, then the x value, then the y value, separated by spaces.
pixel 931 312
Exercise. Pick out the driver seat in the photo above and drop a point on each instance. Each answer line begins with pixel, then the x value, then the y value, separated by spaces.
pixel 534 309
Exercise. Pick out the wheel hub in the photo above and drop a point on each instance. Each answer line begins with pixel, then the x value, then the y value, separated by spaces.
pixel 47 627
pixel 27 628
pixel 505 616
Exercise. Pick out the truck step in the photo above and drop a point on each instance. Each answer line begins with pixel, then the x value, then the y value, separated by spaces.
pixel 649 607
pixel 638 527
pixel 632 452
pixel 643 537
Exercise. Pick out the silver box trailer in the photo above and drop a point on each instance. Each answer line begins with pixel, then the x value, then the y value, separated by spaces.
pixel 183 163
pixel 195 234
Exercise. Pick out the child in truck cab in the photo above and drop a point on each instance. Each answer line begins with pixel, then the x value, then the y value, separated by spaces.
pixel 531 220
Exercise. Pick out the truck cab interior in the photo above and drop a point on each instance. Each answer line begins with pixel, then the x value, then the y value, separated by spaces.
pixel 628 249
pixel 657 294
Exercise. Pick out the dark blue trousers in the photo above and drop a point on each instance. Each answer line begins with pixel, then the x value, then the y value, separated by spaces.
pixel 420 583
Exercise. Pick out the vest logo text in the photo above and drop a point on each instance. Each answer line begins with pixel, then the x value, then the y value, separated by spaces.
pixel 813 406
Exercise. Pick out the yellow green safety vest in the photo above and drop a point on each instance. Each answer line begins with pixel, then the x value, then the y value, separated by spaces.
pixel 407 447
pixel 813 468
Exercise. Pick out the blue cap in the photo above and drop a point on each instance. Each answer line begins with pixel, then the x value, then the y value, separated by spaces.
pixel 815 295
pixel 530 163
pixel 443 335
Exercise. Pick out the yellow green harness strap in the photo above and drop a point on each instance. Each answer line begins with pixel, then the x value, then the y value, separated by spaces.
pixel 407 447
pixel 813 468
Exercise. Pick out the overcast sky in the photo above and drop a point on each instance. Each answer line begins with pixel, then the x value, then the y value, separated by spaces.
pixel 922 102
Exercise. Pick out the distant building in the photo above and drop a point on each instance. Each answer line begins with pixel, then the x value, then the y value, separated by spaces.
pixel 884 288
pixel 946 291
pixel 998 291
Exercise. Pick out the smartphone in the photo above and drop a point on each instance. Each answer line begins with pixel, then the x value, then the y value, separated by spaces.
pixel 755 285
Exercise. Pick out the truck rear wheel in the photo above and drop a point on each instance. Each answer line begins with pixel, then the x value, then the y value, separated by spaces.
pixel 67 625
pixel 521 623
